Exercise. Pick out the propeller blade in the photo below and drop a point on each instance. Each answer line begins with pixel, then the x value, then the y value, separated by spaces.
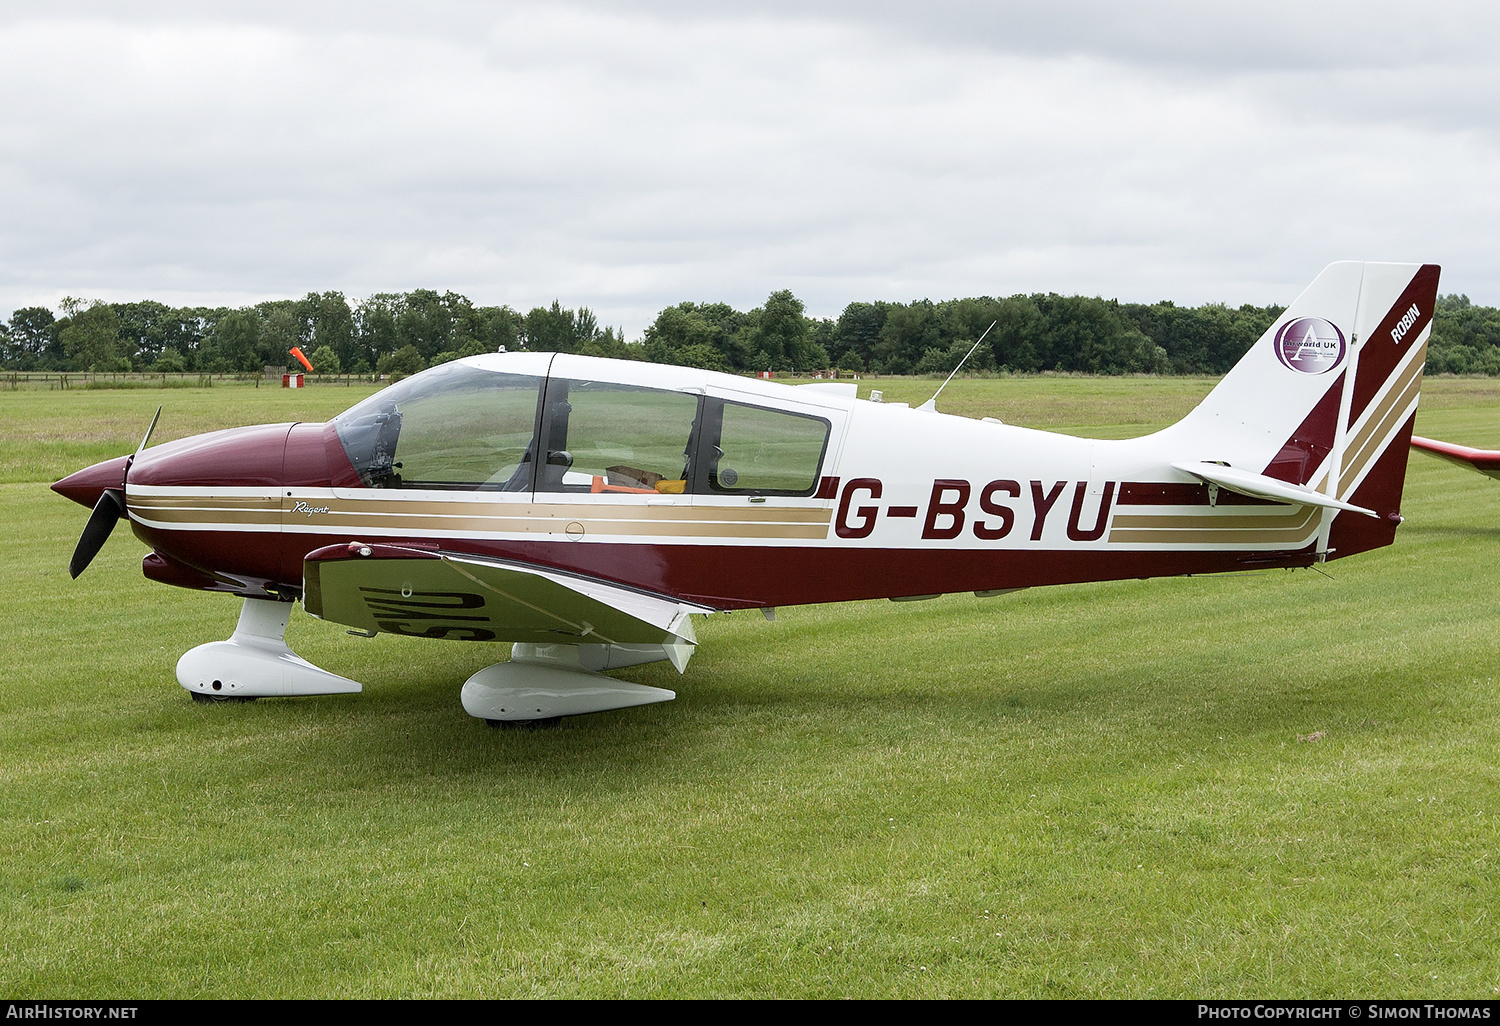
pixel 102 521
pixel 147 437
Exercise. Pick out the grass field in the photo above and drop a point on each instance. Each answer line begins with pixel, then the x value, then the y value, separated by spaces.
pixel 1272 784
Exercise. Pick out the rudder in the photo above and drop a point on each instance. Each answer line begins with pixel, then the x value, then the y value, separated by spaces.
pixel 1382 402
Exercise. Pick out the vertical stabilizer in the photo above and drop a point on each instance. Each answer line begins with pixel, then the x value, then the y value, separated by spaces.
pixel 1326 398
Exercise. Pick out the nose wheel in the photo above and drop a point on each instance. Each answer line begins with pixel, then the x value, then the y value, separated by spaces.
pixel 546 724
pixel 216 699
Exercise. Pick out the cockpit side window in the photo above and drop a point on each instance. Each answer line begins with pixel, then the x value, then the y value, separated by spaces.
pixel 607 437
pixel 454 427
pixel 752 450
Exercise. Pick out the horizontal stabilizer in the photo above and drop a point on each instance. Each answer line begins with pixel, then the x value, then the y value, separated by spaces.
pixel 1259 486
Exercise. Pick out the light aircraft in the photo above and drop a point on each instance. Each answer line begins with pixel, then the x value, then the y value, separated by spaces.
pixel 1486 461
pixel 585 509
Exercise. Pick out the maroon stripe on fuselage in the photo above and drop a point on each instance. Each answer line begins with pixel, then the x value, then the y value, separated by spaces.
pixel 1162 493
pixel 249 555
pixel 730 577
pixel 1379 354
pixel 1310 444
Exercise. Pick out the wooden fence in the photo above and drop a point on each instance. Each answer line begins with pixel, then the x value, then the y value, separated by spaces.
pixel 16 380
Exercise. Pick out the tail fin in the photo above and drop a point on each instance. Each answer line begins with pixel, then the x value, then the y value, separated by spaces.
pixel 1327 397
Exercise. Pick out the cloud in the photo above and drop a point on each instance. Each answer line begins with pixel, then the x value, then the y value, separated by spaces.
pixel 629 157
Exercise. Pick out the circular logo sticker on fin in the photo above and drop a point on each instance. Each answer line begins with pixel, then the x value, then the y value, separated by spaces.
pixel 1310 345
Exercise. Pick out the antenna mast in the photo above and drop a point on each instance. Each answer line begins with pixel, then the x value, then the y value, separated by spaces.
pixel 931 404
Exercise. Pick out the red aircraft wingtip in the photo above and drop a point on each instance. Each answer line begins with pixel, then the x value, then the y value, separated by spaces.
pixel 1486 461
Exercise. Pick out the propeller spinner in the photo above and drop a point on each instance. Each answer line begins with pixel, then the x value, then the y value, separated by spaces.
pixel 109 506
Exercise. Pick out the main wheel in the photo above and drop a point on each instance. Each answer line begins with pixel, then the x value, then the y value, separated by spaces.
pixel 543 724
pixel 208 699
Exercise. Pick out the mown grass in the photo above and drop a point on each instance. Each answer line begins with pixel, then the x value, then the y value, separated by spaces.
pixel 1276 784
pixel 50 434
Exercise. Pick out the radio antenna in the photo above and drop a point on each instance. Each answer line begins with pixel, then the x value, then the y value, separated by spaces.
pixel 931 404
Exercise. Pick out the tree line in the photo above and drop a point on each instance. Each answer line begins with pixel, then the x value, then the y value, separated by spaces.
pixel 401 333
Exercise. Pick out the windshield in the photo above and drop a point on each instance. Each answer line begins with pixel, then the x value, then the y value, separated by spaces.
pixel 452 427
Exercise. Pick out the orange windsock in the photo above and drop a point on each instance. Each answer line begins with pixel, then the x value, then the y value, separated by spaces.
pixel 297 352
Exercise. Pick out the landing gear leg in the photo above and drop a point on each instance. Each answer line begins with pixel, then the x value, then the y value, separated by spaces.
pixel 255 662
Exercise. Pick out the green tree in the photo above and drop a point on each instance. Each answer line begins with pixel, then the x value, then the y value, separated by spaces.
pixel 610 344
pixel 496 326
pixel 779 335
pixel 856 332
pixel 404 361
pixel 425 322
pixel 282 326
pixel 332 324
pixel 685 334
pixel 1017 338
pixel 909 331
pixel 169 361
pixel 325 360
pixel 233 344
pixel 551 330
pixel 1465 338
pixel 1090 335
pixel 91 336
pixel 32 341
pixel 375 327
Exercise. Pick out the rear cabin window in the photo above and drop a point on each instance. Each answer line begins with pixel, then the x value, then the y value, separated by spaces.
pixel 758 451
pixel 453 427
pixel 606 437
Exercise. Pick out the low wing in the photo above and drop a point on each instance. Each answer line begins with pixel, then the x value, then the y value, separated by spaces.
pixel 1486 461
pixel 434 594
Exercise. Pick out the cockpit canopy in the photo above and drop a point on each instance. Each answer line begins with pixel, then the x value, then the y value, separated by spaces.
pixel 464 426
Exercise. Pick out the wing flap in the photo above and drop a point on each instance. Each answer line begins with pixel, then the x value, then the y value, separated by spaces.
pixel 434 594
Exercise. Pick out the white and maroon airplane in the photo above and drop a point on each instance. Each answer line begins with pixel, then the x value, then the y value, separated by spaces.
pixel 585 510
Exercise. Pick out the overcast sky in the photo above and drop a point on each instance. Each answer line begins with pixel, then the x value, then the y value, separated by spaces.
pixel 626 156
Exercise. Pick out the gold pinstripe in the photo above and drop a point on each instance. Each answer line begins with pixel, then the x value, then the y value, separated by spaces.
pixel 1300 530
pixel 198 516
pixel 1215 529
pixel 460 508
pixel 204 502
pixel 1380 424
pixel 1271 519
pixel 609 521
